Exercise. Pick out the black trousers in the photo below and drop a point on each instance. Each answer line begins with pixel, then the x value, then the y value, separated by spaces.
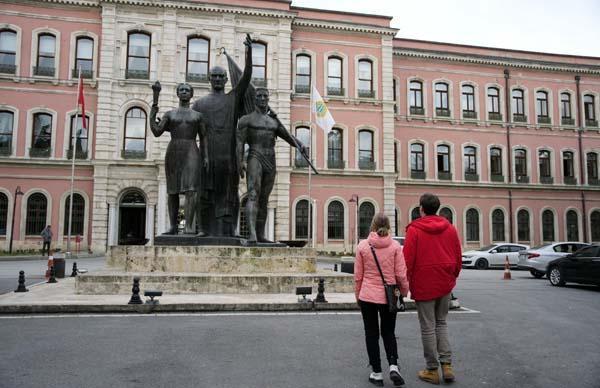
pixel 46 247
pixel 376 315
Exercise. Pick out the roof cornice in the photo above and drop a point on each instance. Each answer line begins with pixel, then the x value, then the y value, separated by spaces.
pixel 521 63
pixel 341 26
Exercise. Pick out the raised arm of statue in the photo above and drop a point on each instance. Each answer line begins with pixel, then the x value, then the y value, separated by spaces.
pixel 156 126
pixel 242 130
pixel 283 133
pixel 244 81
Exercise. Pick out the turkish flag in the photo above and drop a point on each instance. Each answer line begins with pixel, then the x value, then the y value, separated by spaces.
pixel 81 100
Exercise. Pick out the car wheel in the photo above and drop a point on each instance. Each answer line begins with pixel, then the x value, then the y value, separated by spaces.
pixel 536 274
pixel 481 264
pixel 555 275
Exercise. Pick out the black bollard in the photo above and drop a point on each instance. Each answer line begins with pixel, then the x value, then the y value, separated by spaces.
pixel 52 276
pixel 21 287
pixel 320 292
pixel 135 292
pixel 335 268
pixel 74 271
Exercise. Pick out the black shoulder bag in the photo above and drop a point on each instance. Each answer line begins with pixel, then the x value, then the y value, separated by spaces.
pixel 395 303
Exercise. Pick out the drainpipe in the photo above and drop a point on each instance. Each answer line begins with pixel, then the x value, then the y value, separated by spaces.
pixel 107 225
pixel 509 152
pixel 580 142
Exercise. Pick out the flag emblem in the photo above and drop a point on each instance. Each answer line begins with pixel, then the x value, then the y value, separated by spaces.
pixel 322 115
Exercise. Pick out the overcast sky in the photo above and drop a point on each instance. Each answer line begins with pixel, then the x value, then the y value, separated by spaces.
pixel 555 26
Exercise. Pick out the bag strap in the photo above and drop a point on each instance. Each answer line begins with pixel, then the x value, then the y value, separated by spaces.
pixel 377 262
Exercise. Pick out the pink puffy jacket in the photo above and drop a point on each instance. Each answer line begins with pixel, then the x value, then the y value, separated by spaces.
pixel 368 283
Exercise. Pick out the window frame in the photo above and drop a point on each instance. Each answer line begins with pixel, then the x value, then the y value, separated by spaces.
pixel 8 149
pixel 370 92
pixel 84 152
pixel 364 220
pixel 301 219
pixel 517 106
pixel 128 56
pixel 498 225
pixel 84 72
pixel 441 100
pixel 542 105
pixel 568 164
pixel 366 163
pixel 470 160
pixel 548 221
pixel 568 222
pixel 526 233
pixel 38 72
pixel 78 212
pixel 332 151
pixel 299 161
pixel 129 152
pixel 417 157
pixel 565 113
pixel 39 151
pixel 446 157
pixel 257 81
pixel 335 227
pixel 332 90
pixel 197 77
pixel 545 157
pixel 298 87
pixel 416 97
pixel 592 173
pixel 494 162
pixel 40 220
pixel 469 110
pixel 472 225
pixel 520 161
pixel 14 54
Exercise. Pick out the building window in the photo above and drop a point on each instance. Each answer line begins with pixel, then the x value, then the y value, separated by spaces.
pixel 366 160
pixel 520 163
pixel 395 157
pixel 334 77
pixel 472 225
pixel 589 109
pixel 41 140
pixel 542 107
pixel 79 137
pixel 592 168
pixel 545 169
pixel 302 134
pixel 365 79
pixel 568 169
pixel 198 60
pixel 303 73
pixel 3 213
pixel 395 95
pixel 565 109
pixel 443 162
pixel 335 149
pixel 45 55
pixel 415 213
pixel 572 226
pixel 78 215
pixel 523 225
pixel 470 160
pixel 495 162
pixel 6 132
pixel 8 51
pixel 548 225
pixel 518 105
pixel 36 214
pixel 138 56
pixel 416 98
pixel 447 214
pixel 497 225
pixel 417 157
pixel 302 227
pixel 493 96
pixel 335 220
pixel 595 225
pixel 84 58
pixel 441 100
pixel 135 133
pixel 366 212
pixel 259 64
pixel 468 102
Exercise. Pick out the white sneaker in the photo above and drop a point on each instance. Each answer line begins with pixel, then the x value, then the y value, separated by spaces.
pixel 376 379
pixel 395 376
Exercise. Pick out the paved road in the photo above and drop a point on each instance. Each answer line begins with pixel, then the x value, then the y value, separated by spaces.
pixel 527 334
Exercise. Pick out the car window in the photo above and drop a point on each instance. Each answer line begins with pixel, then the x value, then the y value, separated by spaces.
pixel 586 252
pixel 503 249
pixel 516 248
pixel 577 247
pixel 564 248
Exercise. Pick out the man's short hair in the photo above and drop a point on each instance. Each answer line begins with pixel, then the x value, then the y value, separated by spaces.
pixel 430 203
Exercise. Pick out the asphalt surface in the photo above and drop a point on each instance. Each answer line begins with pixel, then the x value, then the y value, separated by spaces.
pixel 525 333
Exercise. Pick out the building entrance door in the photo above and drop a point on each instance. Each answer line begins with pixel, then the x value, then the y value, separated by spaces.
pixel 132 219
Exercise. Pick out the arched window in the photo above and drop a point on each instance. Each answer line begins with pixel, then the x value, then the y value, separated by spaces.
pixel 303 73
pixel 545 169
pixel 472 219
pixel 79 137
pixel 592 168
pixel 138 55
pixel 6 132
pixel 565 109
pixel 442 107
pixel 595 225
pixel 366 212
pixel 335 149
pixel 302 134
pixel 443 161
pixel 548 225
pixel 542 107
pixel 78 215
pixel 8 51
pixel 493 98
pixel 520 163
pixel 259 64
pixel 41 136
pixel 572 226
pixel 417 158
pixel 523 225
pixel 518 105
pixel 135 133
pixel 589 109
pixel 3 213
pixel 335 221
pixel 568 167
pixel 198 60
pixel 365 79
pixel 496 162
pixel 302 227
pixel 366 160
pixel 335 84
pixel 415 97
pixel 415 213
pixel 470 161
pixel 447 214
pixel 45 55
pixel 468 102
pixel 497 225
pixel 84 57
pixel 35 221
pixel 243 220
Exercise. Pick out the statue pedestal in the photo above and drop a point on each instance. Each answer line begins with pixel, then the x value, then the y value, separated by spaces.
pixel 211 270
pixel 192 240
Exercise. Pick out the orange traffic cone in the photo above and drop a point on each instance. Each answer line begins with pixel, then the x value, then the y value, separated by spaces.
pixel 507 270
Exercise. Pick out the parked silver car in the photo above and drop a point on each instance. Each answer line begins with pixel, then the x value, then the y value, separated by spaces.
pixel 536 259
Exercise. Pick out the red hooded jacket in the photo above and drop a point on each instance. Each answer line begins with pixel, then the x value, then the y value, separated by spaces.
pixel 433 256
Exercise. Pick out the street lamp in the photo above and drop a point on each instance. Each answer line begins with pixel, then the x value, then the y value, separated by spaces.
pixel 355 199
pixel 12 228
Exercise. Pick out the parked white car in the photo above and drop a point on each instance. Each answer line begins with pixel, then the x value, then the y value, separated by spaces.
pixel 537 258
pixel 493 255
pixel 399 240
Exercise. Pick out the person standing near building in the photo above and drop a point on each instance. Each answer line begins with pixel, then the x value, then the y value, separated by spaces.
pixel 370 295
pixel 432 252
pixel 46 239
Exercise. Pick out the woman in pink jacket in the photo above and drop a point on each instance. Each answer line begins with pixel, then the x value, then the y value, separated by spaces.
pixel 370 295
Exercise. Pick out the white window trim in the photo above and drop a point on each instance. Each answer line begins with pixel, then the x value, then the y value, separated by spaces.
pixel 313 143
pixel 313 68
pixel 491 224
pixel 34 51
pixel 475 97
pixel 554 224
pixel 423 90
pixel 67 130
pixel 573 105
pixel 73 52
pixel 450 98
pixel 19 32
pixel 585 169
pixel 15 112
pixel 552 163
pixel 29 129
pixel 23 218
pixel 504 162
pixel 451 156
pixel 550 107
pixel 345 143
pixel 528 161
pixel 313 219
pixel 426 168
pixel 326 238
pixel 576 174
pixel 121 140
pixel 579 224
pixel 477 158
pixel 62 221
pixel 183 36
pixel 596 107
pixel 154 50
pixel 375 74
pixel 375 145
pixel 345 73
pixel 526 110
pixel 9 212
pixel 500 102
pixel 516 223
pixel 479 221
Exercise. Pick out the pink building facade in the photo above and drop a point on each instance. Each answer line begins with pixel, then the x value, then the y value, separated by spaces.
pixel 509 140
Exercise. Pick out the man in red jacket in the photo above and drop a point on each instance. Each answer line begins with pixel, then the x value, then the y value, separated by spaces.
pixel 432 252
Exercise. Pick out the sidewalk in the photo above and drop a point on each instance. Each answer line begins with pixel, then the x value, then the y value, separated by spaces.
pixel 80 255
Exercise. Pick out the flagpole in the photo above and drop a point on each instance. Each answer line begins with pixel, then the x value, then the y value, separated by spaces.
pixel 310 153
pixel 73 156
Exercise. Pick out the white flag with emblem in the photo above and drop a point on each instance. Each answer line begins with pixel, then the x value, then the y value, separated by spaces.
pixel 322 116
